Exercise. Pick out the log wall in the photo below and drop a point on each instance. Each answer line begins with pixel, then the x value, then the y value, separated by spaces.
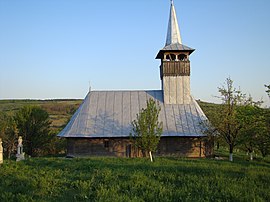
pixel 122 147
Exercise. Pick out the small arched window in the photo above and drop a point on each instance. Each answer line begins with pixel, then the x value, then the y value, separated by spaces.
pixel 182 57
pixel 171 57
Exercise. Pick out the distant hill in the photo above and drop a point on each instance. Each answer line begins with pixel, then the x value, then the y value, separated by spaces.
pixel 209 108
pixel 60 110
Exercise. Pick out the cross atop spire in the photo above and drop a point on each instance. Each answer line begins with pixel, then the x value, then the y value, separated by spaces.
pixel 173 33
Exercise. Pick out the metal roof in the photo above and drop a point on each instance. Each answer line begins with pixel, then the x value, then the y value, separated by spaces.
pixel 110 113
pixel 173 40
pixel 177 46
pixel 173 33
pixel 174 48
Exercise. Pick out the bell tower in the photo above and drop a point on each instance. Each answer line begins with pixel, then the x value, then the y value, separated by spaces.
pixel 175 65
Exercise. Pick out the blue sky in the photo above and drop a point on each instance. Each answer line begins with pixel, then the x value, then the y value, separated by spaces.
pixel 53 48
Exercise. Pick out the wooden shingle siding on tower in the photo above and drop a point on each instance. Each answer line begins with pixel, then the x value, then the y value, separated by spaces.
pixel 173 68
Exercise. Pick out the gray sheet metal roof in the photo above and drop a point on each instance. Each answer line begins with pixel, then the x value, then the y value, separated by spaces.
pixel 109 114
pixel 173 39
pixel 174 48
pixel 177 47
pixel 173 32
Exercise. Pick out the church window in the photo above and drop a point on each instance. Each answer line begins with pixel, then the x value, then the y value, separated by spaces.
pixel 106 143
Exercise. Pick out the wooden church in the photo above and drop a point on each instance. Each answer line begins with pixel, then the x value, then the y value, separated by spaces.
pixel 102 124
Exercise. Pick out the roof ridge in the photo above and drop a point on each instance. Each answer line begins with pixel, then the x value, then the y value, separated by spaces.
pixel 124 90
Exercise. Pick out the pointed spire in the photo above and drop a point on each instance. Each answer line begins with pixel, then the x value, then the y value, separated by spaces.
pixel 173 33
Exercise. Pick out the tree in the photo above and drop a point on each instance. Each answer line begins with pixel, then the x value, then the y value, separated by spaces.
pixel 226 121
pixel 268 89
pixel 33 125
pixel 264 136
pixel 241 123
pixel 147 129
pixel 8 133
pixel 253 134
pixel 256 130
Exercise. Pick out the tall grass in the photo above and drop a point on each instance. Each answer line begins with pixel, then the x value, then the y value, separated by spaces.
pixel 119 179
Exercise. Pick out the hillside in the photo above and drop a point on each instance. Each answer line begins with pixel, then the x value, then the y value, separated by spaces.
pixel 60 111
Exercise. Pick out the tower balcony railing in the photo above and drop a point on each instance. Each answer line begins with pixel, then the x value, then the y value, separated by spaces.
pixel 175 68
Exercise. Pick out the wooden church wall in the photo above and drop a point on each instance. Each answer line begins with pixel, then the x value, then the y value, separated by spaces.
pixel 122 147
pixel 117 147
pixel 181 146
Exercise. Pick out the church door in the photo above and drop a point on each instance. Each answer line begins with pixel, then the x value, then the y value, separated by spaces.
pixel 128 151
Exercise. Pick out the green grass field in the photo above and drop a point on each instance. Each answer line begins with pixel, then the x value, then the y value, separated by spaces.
pixel 123 179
